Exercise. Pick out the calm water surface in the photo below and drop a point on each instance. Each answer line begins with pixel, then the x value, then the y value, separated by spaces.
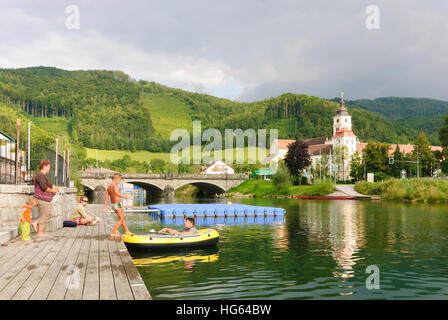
pixel 320 251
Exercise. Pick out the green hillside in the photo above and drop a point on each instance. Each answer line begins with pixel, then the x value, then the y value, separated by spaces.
pixel 295 115
pixel 104 107
pixel 8 117
pixel 420 114
pixel 167 113
pixel 43 133
pixel 107 110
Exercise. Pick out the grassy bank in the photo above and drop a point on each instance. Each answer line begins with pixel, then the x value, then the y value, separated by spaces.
pixel 424 190
pixel 148 156
pixel 262 188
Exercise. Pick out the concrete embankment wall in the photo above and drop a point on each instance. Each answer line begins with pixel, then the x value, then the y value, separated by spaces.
pixel 13 197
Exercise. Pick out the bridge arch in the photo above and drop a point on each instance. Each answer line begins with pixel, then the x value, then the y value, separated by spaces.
pixel 89 192
pixel 207 189
pixel 153 191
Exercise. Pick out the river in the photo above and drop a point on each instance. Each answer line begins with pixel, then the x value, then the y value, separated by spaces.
pixel 322 250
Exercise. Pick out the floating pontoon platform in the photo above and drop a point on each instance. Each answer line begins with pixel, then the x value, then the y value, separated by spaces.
pixel 214 210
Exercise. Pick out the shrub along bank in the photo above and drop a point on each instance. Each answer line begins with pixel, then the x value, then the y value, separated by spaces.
pixel 426 190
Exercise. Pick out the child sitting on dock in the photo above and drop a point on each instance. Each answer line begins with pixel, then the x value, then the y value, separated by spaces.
pixel 25 218
pixel 188 228
pixel 114 194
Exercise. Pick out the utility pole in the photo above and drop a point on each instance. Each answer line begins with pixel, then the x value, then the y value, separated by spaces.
pixel 418 171
pixel 29 146
pixel 17 151
pixel 63 171
pixel 364 161
pixel 331 164
pixel 320 164
pixel 67 176
pixel 56 162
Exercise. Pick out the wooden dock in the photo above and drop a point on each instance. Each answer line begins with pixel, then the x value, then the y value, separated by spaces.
pixel 79 263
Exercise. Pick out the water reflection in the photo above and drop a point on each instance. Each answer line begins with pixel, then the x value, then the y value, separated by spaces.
pixel 346 237
pixel 187 258
pixel 335 229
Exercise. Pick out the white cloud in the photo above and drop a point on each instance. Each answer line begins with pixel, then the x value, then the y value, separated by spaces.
pixel 87 49
pixel 256 48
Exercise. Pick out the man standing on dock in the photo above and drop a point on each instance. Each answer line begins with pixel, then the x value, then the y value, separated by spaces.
pixel 114 194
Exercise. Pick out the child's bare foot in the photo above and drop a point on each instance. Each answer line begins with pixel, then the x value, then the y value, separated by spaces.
pixel 114 236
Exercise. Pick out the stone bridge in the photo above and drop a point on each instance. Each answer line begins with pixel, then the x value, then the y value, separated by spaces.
pixel 162 185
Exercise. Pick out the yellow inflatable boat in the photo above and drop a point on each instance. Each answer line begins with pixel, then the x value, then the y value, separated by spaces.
pixel 204 238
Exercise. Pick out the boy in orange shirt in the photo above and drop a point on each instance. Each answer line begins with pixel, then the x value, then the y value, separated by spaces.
pixel 25 218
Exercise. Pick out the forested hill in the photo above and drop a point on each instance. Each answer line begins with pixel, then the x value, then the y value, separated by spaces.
pixel 421 114
pixel 108 110
pixel 104 106
pixel 295 115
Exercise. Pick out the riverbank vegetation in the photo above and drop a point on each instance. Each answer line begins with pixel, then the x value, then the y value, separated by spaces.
pixel 376 158
pixel 263 188
pixel 415 190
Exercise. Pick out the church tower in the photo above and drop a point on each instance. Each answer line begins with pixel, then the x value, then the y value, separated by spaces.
pixel 342 119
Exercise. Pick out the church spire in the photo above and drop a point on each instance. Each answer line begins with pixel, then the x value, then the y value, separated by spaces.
pixel 342 110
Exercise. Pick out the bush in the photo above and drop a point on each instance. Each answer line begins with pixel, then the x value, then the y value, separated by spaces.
pixel 427 190
pixel 281 177
pixel 304 180
pixel 380 176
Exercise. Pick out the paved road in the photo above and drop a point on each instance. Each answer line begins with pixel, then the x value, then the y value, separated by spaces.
pixel 349 189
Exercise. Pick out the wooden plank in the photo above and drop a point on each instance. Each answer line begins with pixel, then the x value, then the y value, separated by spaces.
pixel 134 280
pixel 23 274
pixel 107 285
pixel 33 281
pixel 138 286
pixel 68 269
pixel 74 293
pixel 14 248
pixel 122 285
pixel 20 260
pixel 45 285
pixel 5 251
pixel 92 278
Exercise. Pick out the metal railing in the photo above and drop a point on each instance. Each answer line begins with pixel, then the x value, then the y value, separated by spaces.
pixel 7 171
pixel 28 168
pixel 39 153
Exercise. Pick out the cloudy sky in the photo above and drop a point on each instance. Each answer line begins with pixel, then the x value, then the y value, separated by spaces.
pixel 242 50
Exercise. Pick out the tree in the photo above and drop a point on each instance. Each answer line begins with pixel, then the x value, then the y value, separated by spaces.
pixel 425 156
pixel 281 177
pixel 376 156
pixel 340 154
pixel 356 167
pixel 396 168
pixel 443 133
pixel 297 158
pixel 443 137
pixel 158 166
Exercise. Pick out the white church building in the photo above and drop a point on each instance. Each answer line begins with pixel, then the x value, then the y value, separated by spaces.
pixel 343 140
